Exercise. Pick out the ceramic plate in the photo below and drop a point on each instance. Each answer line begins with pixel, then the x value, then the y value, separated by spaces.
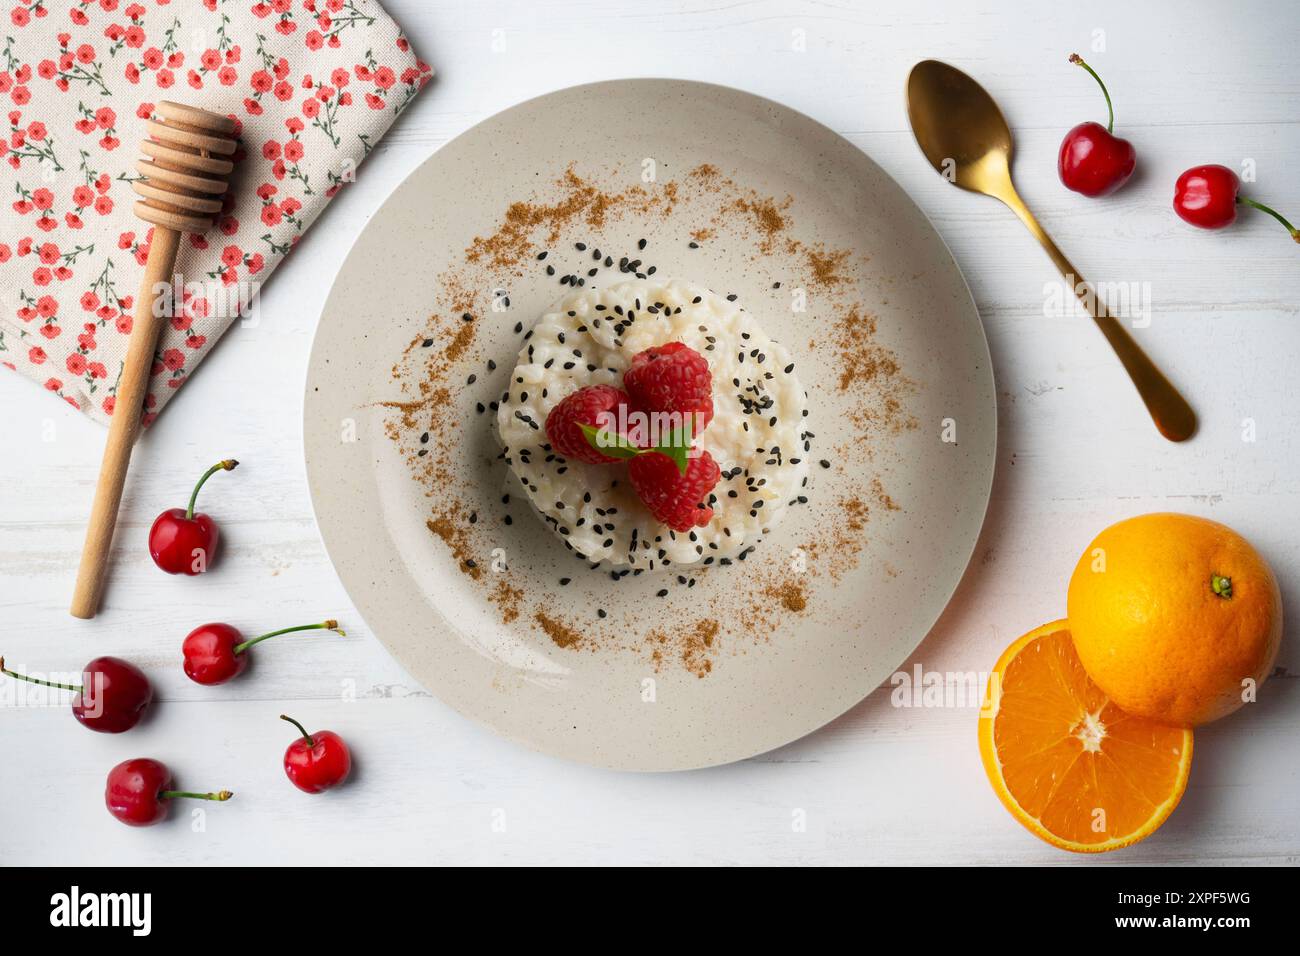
pixel 733 192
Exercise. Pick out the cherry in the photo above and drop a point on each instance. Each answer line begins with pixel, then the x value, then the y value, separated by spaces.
pixel 182 542
pixel 316 762
pixel 1093 160
pixel 117 697
pixel 139 792
pixel 215 653
pixel 1207 197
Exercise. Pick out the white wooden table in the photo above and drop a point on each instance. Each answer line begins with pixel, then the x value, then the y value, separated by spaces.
pixel 882 783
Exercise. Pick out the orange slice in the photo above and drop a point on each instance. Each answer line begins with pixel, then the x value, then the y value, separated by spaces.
pixel 1072 767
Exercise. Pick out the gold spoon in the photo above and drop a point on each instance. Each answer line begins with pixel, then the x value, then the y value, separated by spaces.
pixel 963 134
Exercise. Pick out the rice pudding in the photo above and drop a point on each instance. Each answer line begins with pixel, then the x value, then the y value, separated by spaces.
pixel 756 435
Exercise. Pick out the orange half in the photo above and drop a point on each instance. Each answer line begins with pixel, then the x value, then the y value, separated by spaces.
pixel 1072 767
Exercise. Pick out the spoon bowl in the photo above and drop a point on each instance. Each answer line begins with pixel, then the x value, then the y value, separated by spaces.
pixel 958 126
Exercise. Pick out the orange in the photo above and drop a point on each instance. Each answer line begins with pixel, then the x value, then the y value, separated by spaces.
pixel 1072 767
pixel 1176 618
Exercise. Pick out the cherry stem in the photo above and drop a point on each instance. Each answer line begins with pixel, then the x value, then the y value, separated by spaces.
pixel 1295 233
pixel 173 794
pixel 330 625
pixel 37 680
pixel 1110 124
pixel 301 729
pixel 227 465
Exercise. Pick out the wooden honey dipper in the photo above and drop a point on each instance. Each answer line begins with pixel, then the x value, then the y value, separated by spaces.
pixel 185 176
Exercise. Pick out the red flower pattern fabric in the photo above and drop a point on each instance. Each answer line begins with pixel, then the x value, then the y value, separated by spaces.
pixel 312 85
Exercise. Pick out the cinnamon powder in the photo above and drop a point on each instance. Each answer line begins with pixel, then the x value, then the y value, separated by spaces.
pixel 562 634
pixel 692 646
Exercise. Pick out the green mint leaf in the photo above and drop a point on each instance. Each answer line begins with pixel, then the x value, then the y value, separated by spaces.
pixel 677 448
pixel 607 442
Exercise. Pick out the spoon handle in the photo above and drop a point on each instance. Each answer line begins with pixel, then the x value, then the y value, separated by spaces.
pixel 1169 410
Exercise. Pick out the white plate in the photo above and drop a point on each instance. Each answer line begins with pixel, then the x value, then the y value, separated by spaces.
pixel 870 596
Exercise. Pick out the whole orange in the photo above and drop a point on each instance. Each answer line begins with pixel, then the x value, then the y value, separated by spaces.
pixel 1176 618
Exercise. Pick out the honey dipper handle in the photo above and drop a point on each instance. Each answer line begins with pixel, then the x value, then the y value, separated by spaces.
pixel 128 408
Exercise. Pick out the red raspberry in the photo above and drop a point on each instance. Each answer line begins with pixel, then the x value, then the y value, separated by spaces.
pixel 584 405
pixel 677 500
pixel 672 378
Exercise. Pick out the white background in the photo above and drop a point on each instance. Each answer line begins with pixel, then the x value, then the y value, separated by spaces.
pixel 881 784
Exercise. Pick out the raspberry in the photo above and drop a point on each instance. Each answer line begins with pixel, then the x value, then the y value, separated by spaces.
pixel 672 378
pixel 583 406
pixel 677 500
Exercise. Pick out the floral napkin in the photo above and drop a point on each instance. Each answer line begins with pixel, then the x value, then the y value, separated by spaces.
pixel 312 84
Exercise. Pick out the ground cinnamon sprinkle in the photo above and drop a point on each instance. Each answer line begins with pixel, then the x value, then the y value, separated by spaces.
pixel 853 334
pixel 514 241
pixel 508 600
pixel 562 634
pixel 826 265
pixel 790 594
pixel 855 513
pixel 460 343
pixel 871 371
pixel 766 214
pixel 451 530
pixel 438 395
pixel 882 497
pixel 692 646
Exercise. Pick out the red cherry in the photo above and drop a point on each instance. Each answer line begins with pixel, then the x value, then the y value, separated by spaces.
pixel 182 542
pixel 139 792
pixel 112 697
pixel 215 653
pixel 316 762
pixel 1207 197
pixel 1093 160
